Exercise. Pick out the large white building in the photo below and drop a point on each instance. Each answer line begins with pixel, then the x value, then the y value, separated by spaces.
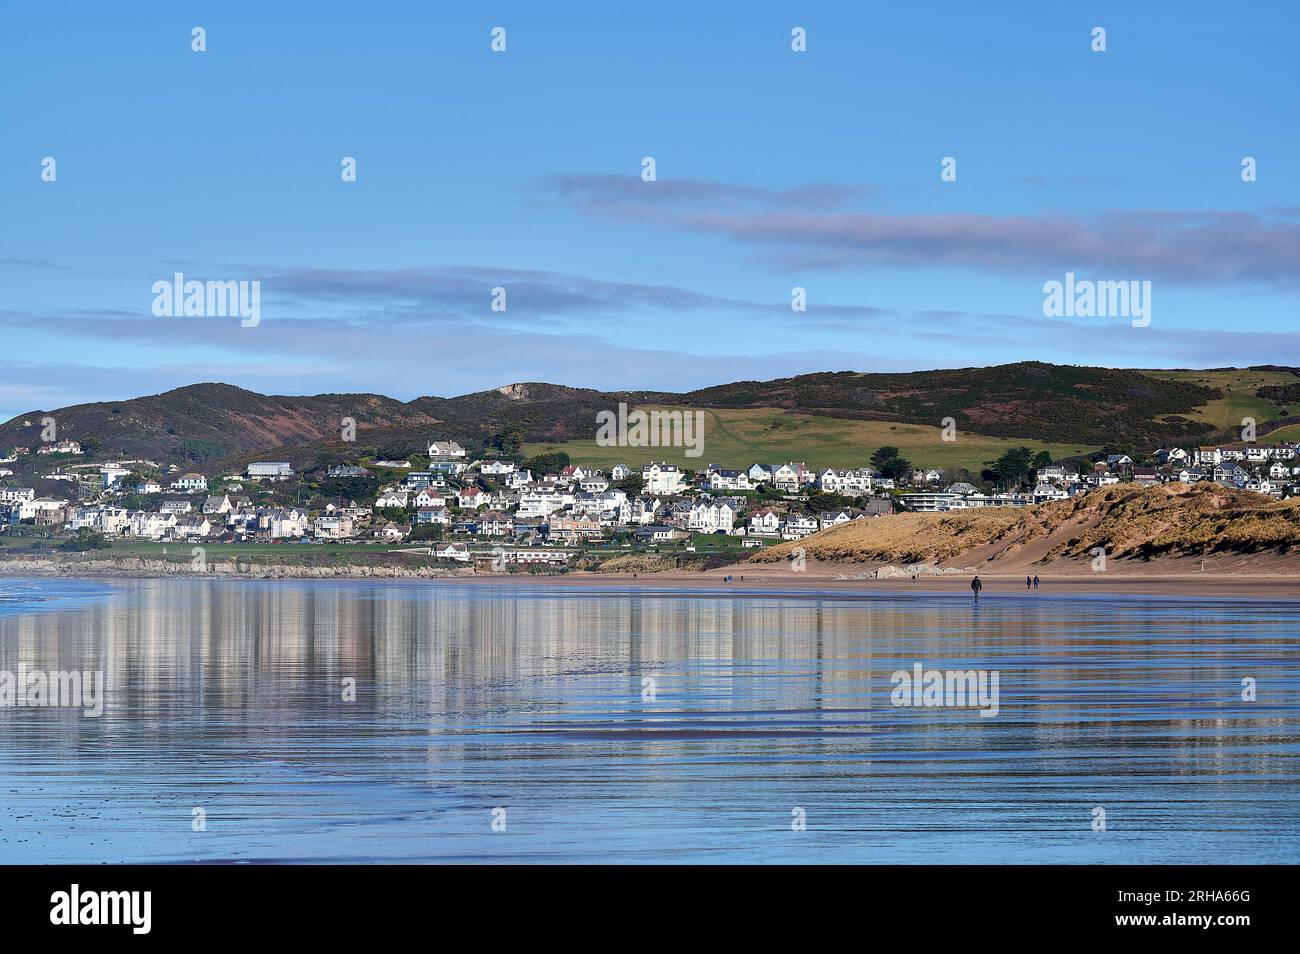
pixel 661 479
pixel 845 481
pixel 708 517
pixel 188 482
pixel 270 470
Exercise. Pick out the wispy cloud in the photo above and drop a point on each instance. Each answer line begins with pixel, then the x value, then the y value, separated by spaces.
pixel 596 190
pixel 1187 247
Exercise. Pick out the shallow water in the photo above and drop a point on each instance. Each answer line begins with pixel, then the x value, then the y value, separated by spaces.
pixel 226 696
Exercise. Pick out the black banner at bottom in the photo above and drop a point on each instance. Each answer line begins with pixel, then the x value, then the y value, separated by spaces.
pixel 228 902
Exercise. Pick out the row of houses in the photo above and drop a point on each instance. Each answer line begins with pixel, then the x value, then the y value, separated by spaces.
pixel 792 478
pixel 501 501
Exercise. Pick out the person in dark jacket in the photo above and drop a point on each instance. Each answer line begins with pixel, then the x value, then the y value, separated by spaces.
pixel 976 586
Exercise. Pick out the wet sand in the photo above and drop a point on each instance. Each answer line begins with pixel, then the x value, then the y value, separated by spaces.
pixel 774 578
pixel 779 578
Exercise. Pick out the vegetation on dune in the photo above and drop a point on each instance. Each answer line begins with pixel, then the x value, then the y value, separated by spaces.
pixel 638 563
pixel 1126 520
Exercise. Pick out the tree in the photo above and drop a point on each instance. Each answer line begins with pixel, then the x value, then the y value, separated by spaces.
pixel 350 488
pixel 1042 459
pixel 632 485
pixel 1013 466
pixel 887 461
pixel 511 438
pixel 395 450
pixel 86 539
pixel 544 463
pixel 820 502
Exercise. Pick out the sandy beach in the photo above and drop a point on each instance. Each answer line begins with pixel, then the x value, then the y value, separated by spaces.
pixel 759 580
pixel 1166 578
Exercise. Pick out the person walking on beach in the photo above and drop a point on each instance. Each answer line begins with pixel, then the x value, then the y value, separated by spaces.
pixel 1035 581
pixel 976 586
pixel 1028 583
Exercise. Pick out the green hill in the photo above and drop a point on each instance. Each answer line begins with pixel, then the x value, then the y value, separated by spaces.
pixel 828 418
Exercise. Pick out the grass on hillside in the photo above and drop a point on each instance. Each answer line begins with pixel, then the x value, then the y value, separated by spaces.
pixel 1239 395
pixel 1288 434
pixel 740 437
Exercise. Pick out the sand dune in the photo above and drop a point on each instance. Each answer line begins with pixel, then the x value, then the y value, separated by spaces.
pixel 1169 528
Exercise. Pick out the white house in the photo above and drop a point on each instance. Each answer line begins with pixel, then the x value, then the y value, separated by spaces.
pixel 446 449
pixel 189 482
pixel 1045 492
pixel 797 527
pixel 707 517
pixel 392 531
pixel 151 525
pixel 833 518
pixel 452 551
pixel 192 527
pixel 661 479
pixel 542 501
pixel 111 473
pixel 766 522
pixel 1230 472
pixel 432 515
pixel 395 499
pixel 215 504
pixel 472 498
pixel 285 523
pixel 791 477
pixel 845 481
pixel 332 526
pixel 428 497
pixel 644 510
pixel 729 480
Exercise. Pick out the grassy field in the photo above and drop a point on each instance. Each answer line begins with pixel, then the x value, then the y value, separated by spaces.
pixel 1288 434
pixel 740 437
pixel 1239 398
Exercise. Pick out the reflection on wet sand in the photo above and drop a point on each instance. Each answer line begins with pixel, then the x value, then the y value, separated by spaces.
pixel 230 696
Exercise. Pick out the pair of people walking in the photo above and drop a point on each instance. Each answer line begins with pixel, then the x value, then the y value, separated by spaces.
pixel 976 584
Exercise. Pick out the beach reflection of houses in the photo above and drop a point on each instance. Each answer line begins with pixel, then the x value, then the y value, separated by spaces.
pixel 426 652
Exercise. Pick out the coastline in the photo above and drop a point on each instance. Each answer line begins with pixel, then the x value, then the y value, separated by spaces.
pixel 747 579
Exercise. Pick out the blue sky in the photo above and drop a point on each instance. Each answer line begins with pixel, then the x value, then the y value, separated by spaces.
pixel 522 169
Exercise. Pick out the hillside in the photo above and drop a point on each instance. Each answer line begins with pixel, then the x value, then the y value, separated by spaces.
pixel 1129 522
pixel 833 416
pixel 742 436
pixel 205 422
pixel 1054 403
